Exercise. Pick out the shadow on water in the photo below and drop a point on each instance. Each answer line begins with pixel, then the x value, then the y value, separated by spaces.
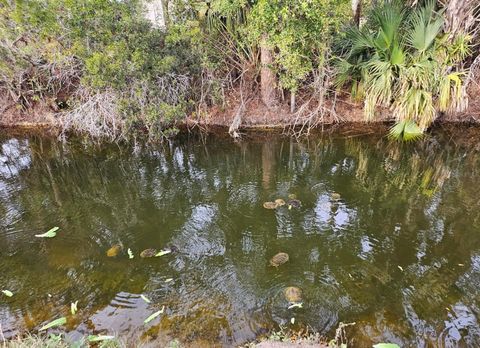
pixel 387 236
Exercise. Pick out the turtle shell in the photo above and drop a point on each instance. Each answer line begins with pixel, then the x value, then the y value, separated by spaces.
pixel 293 294
pixel 148 253
pixel 294 203
pixel 279 259
pixel 114 250
pixel 270 205
pixel 335 196
pixel 279 202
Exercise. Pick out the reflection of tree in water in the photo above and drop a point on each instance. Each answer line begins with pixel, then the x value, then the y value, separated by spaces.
pixel 412 206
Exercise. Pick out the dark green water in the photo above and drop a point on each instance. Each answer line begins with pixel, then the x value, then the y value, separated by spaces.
pixel 398 253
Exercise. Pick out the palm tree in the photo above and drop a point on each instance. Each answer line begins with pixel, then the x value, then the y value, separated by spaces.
pixel 401 60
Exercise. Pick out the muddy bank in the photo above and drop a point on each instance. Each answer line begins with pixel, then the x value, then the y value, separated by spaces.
pixel 253 115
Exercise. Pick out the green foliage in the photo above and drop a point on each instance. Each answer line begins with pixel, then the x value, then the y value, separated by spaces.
pixel 298 31
pixel 401 60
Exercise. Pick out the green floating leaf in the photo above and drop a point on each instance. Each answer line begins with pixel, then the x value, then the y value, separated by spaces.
pixel 168 280
pixel 56 322
pixel 296 305
pixel 7 293
pixel 163 252
pixel 406 130
pixel 73 307
pixel 386 345
pixel 130 253
pixel 49 234
pixel 99 338
pixel 154 315
pixel 145 298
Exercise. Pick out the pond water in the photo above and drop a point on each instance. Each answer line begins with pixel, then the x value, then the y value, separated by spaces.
pixel 387 236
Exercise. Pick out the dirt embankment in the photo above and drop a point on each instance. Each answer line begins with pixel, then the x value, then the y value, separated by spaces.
pixel 252 114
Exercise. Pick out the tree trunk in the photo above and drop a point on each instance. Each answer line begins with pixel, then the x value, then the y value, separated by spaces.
pixel 460 17
pixel 292 102
pixel 357 11
pixel 268 80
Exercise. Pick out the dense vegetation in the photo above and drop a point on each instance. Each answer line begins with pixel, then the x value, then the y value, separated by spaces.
pixel 109 71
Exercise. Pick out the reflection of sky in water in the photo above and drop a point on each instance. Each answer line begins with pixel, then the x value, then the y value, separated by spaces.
pixel 344 253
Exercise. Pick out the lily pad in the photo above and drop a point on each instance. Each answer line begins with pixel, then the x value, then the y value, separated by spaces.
pixel 114 250
pixel 49 234
pixel 148 253
pixel 279 259
pixel 55 323
pixel 7 293
pixel 270 205
pixel 154 315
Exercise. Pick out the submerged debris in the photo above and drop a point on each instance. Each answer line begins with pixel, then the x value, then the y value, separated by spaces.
pixel 279 259
pixel 114 250
pixel 293 294
pixel 148 253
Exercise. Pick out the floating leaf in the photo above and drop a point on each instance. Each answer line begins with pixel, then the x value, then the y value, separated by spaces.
pixel 99 338
pixel 56 322
pixel 49 234
pixel 130 253
pixel 73 307
pixel 168 280
pixel 163 252
pixel 386 345
pixel 296 305
pixel 154 315
pixel 400 268
pixel 7 293
pixel 145 298
pixel 292 321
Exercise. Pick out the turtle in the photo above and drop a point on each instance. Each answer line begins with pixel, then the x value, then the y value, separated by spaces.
pixel 148 253
pixel 335 196
pixel 270 205
pixel 279 202
pixel 114 250
pixel 294 203
pixel 279 259
pixel 293 294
